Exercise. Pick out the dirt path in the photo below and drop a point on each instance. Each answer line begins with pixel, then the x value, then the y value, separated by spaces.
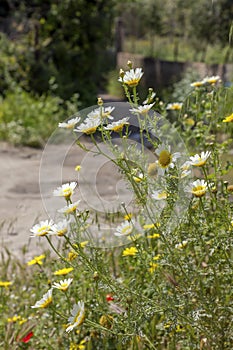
pixel 21 204
pixel 20 201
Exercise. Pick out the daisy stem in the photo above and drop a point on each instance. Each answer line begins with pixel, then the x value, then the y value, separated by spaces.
pixel 57 312
pixel 127 94
pixel 209 189
pixel 135 97
pixel 55 250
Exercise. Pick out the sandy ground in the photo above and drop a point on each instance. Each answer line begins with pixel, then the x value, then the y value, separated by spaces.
pixel 28 177
pixel 20 201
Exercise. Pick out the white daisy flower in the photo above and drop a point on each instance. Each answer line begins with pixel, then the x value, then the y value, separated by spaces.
pixel 117 126
pixel 199 160
pixel 45 301
pixel 89 126
pixel 166 158
pixel 60 229
pixel 77 316
pixel 63 285
pixel 66 190
pixel 185 169
pixel 124 229
pixel 41 229
pixel 176 106
pixel 69 209
pixel 212 80
pixel 70 124
pixel 159 195
pixel 197 83
pixel 198 188
pixel 132 77
pixel 142 109
pixel 100 113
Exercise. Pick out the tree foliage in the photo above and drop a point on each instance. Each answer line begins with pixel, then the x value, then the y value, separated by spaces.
pixel 64 40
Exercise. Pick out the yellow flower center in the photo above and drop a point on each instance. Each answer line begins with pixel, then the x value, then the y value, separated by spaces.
pixel 61 232
pixel 200 162
pixel 118 128
pixel 126 230
pixel 165 159
pixel 67 192
pixel 197 83
pixel 43 230
pixel 77 318
pixel 199 191
pixel 91 130
pixel 133 82
pixel 176 107
pixel 46 302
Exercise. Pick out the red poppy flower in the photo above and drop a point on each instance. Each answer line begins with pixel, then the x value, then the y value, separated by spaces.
pixel 27 338
pixel 109 297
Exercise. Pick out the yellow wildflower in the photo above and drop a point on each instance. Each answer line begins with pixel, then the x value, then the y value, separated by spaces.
pixel 36 260
pixel 64 271
pixel 228 119
pixel 130 251
pixel 5 284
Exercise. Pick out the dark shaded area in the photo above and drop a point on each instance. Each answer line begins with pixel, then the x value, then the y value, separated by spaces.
pixel 58 46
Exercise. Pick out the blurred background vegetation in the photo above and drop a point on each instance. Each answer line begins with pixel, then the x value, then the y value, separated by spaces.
pixel 56 56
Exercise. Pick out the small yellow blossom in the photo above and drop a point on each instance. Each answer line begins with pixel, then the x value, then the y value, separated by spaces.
pixel 148 226
pixel 72 255
pixel 78 168
pixel 155 235
pixel 36 260
pixel 228 119
pixel 106 321
pixel 80 346
pixel 13 319
pixel 180 328
pixel 128 216
pixel 83 244
pixel 22 321
pixel 157 257
pixel 130 251
pixel 5 284
pixel 64 271
pixel 153 267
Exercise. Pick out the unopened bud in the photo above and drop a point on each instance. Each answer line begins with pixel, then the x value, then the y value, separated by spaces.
pixel 100 101
pixel 130 64
pixel 121 73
